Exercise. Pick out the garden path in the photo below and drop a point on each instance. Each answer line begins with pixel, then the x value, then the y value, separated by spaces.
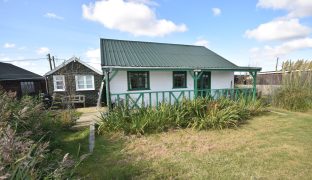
pixel 89 116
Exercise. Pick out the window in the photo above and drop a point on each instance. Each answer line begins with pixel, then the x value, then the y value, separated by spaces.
pixel 59 83
pixel 138 80
pixel 179 79
pixel 27 87
pixel 84 82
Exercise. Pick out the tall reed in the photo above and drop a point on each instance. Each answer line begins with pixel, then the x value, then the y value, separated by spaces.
pixel 295 92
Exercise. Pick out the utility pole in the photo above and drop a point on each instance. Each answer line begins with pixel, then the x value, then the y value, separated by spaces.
pixel 276 64
pixel 49 59
pixel 53 62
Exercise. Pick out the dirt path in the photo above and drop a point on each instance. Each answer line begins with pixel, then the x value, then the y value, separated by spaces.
pixel 89 116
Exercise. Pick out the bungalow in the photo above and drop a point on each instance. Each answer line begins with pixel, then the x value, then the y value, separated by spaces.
pixel 75 81
pixel 147 73
pixel 20 81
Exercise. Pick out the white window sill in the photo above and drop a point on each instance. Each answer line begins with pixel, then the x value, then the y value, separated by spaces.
pixel 85 89
pixel 59 90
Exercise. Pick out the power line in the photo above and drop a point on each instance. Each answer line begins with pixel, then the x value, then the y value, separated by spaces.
pixel 32 59
pixel 38 59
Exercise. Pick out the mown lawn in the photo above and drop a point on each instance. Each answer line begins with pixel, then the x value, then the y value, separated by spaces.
pixel 272 146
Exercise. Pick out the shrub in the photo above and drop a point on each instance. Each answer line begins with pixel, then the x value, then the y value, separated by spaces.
pixel 200 114
pixel 68 118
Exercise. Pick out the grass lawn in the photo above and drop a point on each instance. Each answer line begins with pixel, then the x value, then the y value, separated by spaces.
pixel 272 146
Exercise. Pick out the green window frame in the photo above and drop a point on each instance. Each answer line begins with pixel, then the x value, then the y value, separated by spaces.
pixel 138 80
pixel 179 79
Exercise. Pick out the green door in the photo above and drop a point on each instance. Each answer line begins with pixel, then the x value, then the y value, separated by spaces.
pixel 204 84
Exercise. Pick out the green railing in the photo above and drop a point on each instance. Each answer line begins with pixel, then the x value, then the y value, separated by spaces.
pixel 154 98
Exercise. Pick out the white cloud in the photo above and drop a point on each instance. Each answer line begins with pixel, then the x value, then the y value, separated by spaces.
pixel 279 29
pixel 216 11
pixel 202 42
pixel 93 56
pixel 269 52
pixel 53 16
pixel 147 2
pixel 9 45
pixel 128 16
pixel 43 50
pixel 296 8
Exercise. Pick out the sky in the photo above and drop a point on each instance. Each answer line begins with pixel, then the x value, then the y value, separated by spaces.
pixel 246 32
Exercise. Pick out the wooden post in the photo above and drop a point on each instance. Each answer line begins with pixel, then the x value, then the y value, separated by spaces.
pixel 49 59
pixel 195 84
pixel 108 100
pixel 53 62
pixel 91 137
pixel 100 93
pixel 254 84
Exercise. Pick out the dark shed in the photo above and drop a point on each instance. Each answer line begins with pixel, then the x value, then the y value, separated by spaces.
pixel 20 81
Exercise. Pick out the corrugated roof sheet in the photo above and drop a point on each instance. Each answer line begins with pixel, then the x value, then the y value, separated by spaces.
pixel 11 72
pixel 150 54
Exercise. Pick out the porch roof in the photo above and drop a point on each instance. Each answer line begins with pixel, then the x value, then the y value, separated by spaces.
pixel 121 54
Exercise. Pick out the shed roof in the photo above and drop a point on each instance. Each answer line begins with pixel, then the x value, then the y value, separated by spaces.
pixel 11 72
pixel 137 54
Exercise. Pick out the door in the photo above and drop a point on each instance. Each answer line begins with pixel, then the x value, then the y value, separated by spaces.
pixel 204 84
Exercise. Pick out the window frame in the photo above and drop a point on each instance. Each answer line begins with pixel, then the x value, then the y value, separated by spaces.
pixel 85 82
pixel 55 85
pixel 138 89
pixel 28 87
pixel 173 79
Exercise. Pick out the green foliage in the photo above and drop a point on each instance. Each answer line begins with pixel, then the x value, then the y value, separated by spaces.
pixel 200 114
pixel 295 93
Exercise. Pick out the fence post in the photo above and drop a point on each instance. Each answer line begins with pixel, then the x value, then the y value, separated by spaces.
pixel 91 137
pixel 254 84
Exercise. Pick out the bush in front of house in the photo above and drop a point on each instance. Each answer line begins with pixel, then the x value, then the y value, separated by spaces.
pixel 295 93
pixel 27 132
pixel 200 114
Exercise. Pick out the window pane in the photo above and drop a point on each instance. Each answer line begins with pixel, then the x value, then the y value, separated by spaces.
pixel 84 82
pixel 138 80
pixel 179 79
pixel 80 78
pixel 89 78
pixel 80 86
pixel 59 85
pixel 27 87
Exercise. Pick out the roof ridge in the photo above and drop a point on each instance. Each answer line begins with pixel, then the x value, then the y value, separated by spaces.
pixel 153 42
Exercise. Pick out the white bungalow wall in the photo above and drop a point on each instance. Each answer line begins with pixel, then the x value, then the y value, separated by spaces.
pixel 222 79
pixel 162 81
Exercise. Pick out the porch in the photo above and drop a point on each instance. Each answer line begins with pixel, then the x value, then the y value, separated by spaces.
pixel 155 98
pixel 200 86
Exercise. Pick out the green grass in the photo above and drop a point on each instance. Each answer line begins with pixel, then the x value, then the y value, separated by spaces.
pixel 272 146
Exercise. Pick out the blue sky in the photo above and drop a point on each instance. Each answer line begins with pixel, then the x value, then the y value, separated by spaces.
pixel 248 33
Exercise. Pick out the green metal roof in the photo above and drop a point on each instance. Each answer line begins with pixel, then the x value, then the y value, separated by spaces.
pixel 150 55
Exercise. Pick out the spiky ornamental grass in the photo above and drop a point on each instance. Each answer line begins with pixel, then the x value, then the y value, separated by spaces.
pixel 295 93
pixel 201 114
